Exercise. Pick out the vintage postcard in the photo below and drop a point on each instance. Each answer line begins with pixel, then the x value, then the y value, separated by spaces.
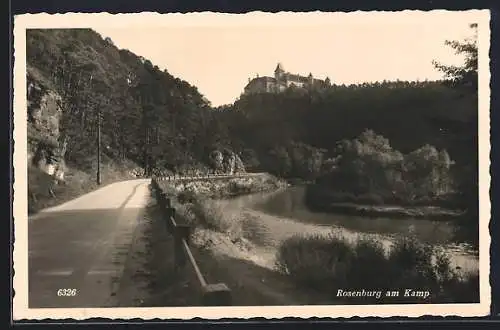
pixel 174 166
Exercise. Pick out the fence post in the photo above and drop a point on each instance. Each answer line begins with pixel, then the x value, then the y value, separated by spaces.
pixel 181 232
pixel 161 201
pixel 170 214
pixel 216 295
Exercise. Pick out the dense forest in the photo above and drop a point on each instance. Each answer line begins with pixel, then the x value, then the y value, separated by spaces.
pixel 163 123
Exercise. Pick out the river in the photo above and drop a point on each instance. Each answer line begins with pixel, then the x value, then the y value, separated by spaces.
pixel 281 214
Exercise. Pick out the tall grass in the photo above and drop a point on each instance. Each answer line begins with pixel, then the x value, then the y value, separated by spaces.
pixel 329 263
pixel 207 214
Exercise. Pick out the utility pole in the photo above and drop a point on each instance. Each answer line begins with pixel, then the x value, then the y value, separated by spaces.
pixel 99 147
pixel 98 178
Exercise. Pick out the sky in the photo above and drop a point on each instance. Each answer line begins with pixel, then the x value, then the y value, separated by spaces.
pixel 219 56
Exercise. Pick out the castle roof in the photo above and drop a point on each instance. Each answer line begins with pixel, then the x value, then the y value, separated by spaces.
pixel 279 67
pixel 297 77
pixel 265 78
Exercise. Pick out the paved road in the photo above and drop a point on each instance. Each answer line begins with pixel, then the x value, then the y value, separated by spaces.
pixel 83 245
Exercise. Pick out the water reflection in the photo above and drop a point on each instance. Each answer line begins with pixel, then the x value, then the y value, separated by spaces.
pixel 290 204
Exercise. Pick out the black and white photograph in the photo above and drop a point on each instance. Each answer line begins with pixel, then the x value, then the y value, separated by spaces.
pixel 271 164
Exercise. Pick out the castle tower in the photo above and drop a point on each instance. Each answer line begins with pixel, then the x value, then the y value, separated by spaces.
pixel 279 75
pixel 328 82
pixel 279 69
pixel 311 79
pixel 279 72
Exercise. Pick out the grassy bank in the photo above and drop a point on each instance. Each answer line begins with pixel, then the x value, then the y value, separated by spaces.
pixel 332 263
pixel 44 192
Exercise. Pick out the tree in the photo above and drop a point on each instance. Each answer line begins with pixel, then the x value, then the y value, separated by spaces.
pixel 279 161
pixel 465 75
pixel 368 164
pixel 465 134
pixel 427 170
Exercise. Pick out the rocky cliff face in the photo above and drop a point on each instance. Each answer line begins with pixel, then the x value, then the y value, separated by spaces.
pixel 227 162
pixel 46 146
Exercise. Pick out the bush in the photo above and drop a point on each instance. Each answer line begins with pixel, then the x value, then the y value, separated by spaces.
pixel 370 259
pixel 316 261
pixel 413 262
pixel 329 263
pixel 254 230
pixel 186 196
pixel 208 214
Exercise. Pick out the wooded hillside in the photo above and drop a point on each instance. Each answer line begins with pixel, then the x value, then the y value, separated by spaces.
pixel 148 116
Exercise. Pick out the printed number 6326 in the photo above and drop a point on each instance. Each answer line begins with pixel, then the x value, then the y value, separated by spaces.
pixel 66 292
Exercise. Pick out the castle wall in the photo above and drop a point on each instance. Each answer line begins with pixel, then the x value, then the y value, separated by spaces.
pixel 295 83
pixel 256 86
pixel 281 82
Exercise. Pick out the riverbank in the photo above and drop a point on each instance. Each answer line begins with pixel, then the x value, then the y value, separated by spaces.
pixel 393 211
pixel 189 191
pixel 322 199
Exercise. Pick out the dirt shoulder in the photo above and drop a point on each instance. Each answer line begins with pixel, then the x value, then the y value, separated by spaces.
pixel 150 278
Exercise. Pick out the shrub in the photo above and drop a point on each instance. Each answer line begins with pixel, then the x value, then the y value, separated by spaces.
pixel 208 214
pixel 330 263
pixel 370 259
pixel 412 264
pixel 316 261
pixel 186 196
pixel 255 230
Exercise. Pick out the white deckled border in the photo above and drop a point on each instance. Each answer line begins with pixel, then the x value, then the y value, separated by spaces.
pixel 143 20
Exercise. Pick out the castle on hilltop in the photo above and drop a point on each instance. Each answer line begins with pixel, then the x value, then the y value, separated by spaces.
pixel 283 80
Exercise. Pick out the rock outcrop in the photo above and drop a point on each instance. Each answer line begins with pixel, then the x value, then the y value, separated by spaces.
pixel 239 167
pixel 216 161
pixel 46 145
pixel 225 161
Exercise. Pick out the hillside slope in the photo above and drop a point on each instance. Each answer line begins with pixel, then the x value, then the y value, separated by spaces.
pixel 150 120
